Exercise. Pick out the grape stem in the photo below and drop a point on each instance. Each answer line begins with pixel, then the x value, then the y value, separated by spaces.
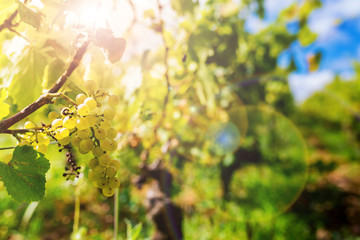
pixel 46 98
pixel 76 211
pixel 20 35
pixel 60 95
pixel 24 130
pixel 6 148
pixel 116 213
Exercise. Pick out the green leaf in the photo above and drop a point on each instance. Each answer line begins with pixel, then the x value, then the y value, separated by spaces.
pixel 29 75
pixel 114 47
pixel 306 37
pixel 30 16
pixel 183 6
pixel 132 232
pixel 24 175
pixel 4 107
pixel 7 8
pixel 52 72
pixel 314 61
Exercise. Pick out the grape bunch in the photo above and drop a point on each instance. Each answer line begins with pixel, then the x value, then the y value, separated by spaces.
pixel 84 125
pixel 35 137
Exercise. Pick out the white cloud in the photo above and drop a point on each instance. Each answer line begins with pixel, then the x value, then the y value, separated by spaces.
pixel 274 7
pixel 322 26
pixel 347 75
pixel 254 24
pixel 303 85
pixel 323 19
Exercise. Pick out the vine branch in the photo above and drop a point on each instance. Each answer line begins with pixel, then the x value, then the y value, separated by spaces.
pixel 8 22
pixel 145 154
pixel 166 74
pixel 21 131
pixel 6 148
pixel 46 98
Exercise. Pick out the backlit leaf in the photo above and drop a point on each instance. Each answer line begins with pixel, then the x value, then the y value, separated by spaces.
pixel 29 15
pixel 31 71
pixel 24 175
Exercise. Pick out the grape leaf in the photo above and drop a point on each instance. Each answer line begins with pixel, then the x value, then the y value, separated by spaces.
pixel 30 16
pixel 183 6
pixel 114 47
pixel 24 175
pixel 7 8
pixel 52 72
pixel 4 107
pixel 306 37
pixel 29 74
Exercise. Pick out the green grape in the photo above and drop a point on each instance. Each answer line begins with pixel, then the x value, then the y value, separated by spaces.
pixel 91 120
pixel 111 172
pixel 100 133
pixel 83 109
pixel 41 148
pixel 115 164
pixel 43 139
pixel 104 159
pixel 111 133
pixel 113 145
pixel 113 100
pixel 82 123
pixel 82 151
pixel 97 151
pixel 90 85
pixel 80 98
pixel 64 132
pixel 24 142
pixel 100 94
pixel 75 140
pixel 69 122
pixel 85 133
pixel 29 125
pixel 100 171
pixel 57 123
pixel 108 191
pixel 71 130
pixel 92 176
pixel 52 116
pixel 105 124
pixel 109 113
pixel 102 182
pixel 64 141
pixel 91 103
pixel 58 135
pixel 114 182
pixel 93 163
pixel 86 145
pixel 106 145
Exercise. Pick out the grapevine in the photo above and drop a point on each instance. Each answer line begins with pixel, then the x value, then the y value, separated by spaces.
pixel 85 124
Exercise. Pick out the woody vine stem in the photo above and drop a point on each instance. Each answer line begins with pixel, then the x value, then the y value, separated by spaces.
pixel 46 98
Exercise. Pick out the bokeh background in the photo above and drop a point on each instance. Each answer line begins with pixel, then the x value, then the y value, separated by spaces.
pixel 262 129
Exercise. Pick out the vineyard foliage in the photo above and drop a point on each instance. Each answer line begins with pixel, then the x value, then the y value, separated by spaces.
pixel 100 87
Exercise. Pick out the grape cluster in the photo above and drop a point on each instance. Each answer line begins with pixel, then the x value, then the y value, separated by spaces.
pixel 87 127
pixel 38 139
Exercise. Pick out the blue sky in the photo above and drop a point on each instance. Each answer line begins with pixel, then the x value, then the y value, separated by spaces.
pixel 337 24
